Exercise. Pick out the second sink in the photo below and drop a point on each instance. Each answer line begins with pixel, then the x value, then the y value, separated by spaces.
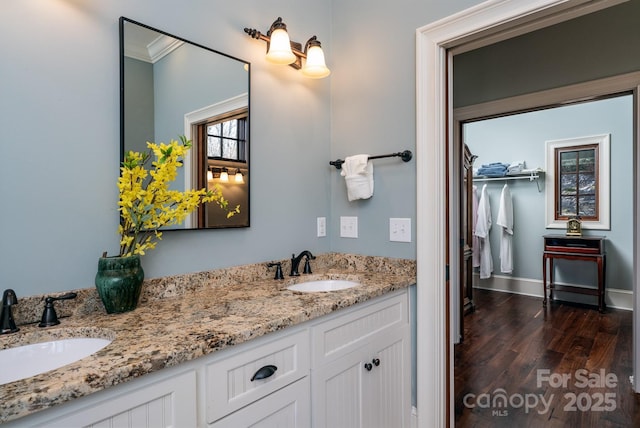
pixel 25 361
pixel 324 285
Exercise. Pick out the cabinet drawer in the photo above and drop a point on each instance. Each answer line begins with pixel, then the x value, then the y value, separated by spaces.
pixel 344 333
pixel 228 381
pixel 289 407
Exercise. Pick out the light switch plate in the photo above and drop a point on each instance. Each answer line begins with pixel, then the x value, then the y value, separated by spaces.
pixel 348 227
pixel 321 226
pixel 400 229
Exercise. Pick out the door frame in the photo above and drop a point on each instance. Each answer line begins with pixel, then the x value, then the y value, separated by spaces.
pixel 478 26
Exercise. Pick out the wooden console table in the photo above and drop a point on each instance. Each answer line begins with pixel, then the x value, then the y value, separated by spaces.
pixel 586 248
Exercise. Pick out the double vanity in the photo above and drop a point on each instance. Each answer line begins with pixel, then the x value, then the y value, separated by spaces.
pixel 233 347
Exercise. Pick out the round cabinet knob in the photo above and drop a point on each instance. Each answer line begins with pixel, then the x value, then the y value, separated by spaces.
pixel 376 362
pixel 368 366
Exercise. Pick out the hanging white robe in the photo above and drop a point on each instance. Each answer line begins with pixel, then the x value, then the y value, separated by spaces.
pixel 505 221
pixel 475 243
pixel 483 226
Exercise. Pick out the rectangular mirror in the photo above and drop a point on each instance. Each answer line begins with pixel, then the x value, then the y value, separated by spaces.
pixel 170 87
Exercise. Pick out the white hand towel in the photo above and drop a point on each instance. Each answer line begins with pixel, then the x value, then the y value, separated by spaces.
pixel 358 175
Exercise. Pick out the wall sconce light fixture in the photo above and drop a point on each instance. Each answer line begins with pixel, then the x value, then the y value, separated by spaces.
pixel 239 178
pixel 281 50
pixel 224 175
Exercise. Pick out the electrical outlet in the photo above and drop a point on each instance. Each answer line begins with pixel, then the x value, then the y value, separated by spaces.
pixel 321 226
pixel 400 229
pixel 348 227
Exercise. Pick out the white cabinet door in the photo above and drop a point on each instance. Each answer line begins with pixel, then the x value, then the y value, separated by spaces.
pixel 354 392
pixel 337 392
pixel 387 391
pixel 167 403
pixel 286 408
pixel 370 386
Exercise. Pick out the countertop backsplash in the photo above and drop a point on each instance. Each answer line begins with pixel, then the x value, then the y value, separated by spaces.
pixel 29 308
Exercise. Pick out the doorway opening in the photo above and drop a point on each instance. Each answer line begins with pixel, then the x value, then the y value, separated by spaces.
pixel 527 327
pixel 478 26
pixel 526 141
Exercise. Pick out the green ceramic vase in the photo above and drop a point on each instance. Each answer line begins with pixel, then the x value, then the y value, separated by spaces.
pixel 119 282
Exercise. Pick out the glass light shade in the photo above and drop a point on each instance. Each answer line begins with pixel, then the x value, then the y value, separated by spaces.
pixel 224 176
pixel 209 175
pixel 239 177
pixel 280 48
pixel 315 67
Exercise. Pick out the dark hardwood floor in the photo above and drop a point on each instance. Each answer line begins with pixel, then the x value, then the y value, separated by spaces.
pixel 521 365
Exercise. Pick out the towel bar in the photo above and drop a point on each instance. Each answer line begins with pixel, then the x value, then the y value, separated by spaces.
pixel 405 155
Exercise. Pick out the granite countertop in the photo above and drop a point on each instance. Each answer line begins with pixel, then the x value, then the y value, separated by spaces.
pixel 185 317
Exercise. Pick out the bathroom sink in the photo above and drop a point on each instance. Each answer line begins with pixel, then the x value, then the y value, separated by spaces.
pixel 25 361
pixel 325 285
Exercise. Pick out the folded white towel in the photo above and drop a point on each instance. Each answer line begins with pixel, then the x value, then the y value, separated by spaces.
pixel 358 175
pixel 515 168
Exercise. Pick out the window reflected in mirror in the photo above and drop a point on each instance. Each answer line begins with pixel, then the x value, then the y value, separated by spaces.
pixel 223 145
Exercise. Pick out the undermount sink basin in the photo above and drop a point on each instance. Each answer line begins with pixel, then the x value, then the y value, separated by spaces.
pixel 25 361
pixel 325 285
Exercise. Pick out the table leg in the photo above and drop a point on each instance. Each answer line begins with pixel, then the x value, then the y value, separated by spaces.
pixel 544 280
pixel 551 278
pixel 601 303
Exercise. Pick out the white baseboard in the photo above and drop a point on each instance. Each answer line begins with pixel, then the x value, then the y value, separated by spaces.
pixel 614 297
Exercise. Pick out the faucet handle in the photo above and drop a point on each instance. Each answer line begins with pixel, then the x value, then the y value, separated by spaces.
pixel 307 265
pixel 49 316
pixel 8 323
pixel 278 266
pixel 9 297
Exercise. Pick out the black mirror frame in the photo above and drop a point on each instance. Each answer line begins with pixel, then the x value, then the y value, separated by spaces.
pixel 122 22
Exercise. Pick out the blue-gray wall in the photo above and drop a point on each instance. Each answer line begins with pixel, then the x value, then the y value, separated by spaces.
pixel 373 112
pixel 139 100
pixel 522 137
pixel 60 107
pixel 191 78
pixel 60 129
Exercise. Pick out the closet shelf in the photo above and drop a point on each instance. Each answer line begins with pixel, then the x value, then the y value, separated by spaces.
pixel 534 176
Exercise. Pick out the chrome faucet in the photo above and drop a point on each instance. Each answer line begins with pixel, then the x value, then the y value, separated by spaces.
pixel 295 262
pixel 7 323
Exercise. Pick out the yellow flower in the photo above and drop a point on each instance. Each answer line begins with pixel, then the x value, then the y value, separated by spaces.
pixel 146 203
